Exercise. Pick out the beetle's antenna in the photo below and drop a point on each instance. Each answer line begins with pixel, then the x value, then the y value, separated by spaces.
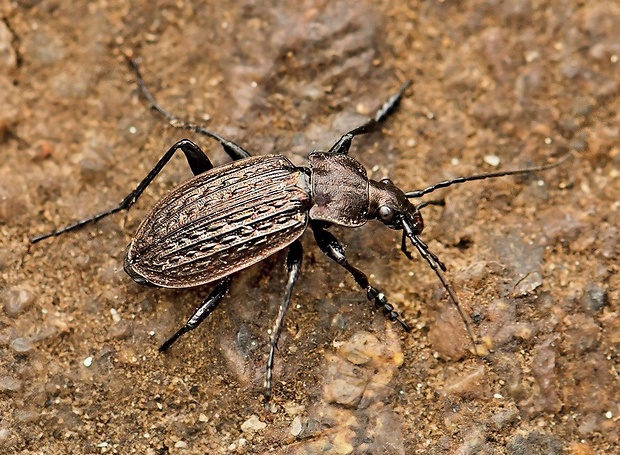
pixel 438 266
pixel 492 175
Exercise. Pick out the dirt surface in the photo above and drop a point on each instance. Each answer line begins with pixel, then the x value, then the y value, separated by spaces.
pixel 534 260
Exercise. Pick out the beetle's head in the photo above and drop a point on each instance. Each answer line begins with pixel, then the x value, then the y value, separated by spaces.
pixel 389 205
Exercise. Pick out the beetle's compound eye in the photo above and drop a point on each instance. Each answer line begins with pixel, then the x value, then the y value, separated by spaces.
pixel 387 182
pixel 385 213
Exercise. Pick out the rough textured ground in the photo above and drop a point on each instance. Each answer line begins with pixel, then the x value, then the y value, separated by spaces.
pixel 534 260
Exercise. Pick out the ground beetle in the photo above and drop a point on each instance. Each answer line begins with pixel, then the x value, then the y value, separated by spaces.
pixel 232 216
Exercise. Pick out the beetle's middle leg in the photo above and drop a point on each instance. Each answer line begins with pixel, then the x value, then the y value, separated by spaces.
pixel 293 264
pixel 335 251
pixel 236 152
pixel 204 310
pixel 344 143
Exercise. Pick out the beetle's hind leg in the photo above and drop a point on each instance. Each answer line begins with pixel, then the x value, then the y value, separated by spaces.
pixel 293 264
pixel 236 152
pixel 344 143
pixel 204 310
pixel 335 251
pixel 197 160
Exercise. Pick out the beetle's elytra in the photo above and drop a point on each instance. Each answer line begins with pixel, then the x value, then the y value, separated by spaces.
pixel 220 222
pixel 229 217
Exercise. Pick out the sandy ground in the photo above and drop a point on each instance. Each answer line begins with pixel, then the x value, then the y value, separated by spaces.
pixel 534 260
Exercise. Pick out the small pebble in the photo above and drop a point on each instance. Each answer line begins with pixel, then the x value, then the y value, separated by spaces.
pixel 536 444
pixel 594 297
pixel 253 424
pixel 296 426
pixel 16 301
pixel 8 56
pixel 492 160
pixel 361 348
pixel 115 316
pixel 528 284
pixel 22 345
pixel 9 384
pixel 43 49
pixel 26 415
pixel 504 417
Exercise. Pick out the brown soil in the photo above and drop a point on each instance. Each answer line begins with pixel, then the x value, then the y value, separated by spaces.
pixel 534 260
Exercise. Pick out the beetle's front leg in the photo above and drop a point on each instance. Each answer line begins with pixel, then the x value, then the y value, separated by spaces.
pixel 344 143
pixel 335 251
pixel 204 310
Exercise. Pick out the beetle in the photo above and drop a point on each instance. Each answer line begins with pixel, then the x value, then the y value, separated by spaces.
pixel 230 217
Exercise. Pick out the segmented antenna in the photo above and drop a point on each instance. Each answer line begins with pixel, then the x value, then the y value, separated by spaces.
pixel 471 178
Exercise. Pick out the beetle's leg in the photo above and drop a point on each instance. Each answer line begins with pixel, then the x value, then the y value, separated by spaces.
pixel 198 162
pixel 293 264
pixel 233 150
pixel 403 248
pixel 343 144
pixel 330 246
pixel 204 310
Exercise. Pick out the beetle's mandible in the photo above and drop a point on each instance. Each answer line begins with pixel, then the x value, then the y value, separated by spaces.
pixel 229 217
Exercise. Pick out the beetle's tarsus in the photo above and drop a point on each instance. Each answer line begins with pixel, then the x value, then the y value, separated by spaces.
pixel 344 143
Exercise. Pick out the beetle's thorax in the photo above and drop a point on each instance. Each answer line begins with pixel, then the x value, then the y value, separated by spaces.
pixel 342 194
pixel 339 188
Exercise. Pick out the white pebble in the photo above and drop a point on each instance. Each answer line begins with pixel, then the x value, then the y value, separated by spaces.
pixel 492 160
pixel 296 426
pixel 253 424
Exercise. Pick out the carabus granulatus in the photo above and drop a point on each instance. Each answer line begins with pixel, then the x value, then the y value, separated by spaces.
pixel 229 217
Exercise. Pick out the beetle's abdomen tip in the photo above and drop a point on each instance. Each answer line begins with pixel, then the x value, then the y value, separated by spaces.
pixel 128 265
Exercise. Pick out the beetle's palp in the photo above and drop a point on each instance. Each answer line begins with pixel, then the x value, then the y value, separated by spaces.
pixel 436 265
